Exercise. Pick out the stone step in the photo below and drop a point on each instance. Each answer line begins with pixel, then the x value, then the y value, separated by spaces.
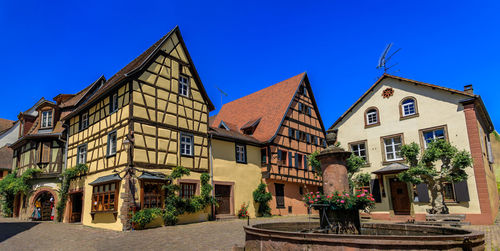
pixel 225 217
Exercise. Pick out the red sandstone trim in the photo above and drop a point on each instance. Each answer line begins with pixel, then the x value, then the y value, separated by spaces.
pixel 478 166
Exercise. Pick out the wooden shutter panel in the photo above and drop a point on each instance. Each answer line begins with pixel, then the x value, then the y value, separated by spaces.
pixel 290 159
pixel 279 155
pixel 423 192
pixel 297 133
pixel 297 160
pixel 375 189
pixel 461 191
pixel 290 132
pixel 46 152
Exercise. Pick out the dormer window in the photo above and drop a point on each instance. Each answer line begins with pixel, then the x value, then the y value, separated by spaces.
pixel 46 119
pixel 184 86
pixel 223 125
pixel 372 117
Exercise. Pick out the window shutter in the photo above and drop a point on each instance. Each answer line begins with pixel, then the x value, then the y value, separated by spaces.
pixel 308 138
pixel 375 189
pixel 46 152
pixel 461 191
pixel 279 155
pixel 300 107
pixel 297 133
pixel 290 159
pixel 290 132
pixel 423 193
pixel 297 160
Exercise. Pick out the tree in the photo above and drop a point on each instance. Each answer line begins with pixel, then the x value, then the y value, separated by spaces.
pixel 440 163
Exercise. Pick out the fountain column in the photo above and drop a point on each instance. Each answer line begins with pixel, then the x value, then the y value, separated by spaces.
pixel 333 166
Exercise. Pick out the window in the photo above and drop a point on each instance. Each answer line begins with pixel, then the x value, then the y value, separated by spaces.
pixel 241 153
pixel 187 190
pixel 263 155
pixel 112 143
pixel 113 103
pixel 449 192
pixel 280 195
pixel 282 157
pixel 315 140
pixel 152 194
pixel 84 121
pixel 81 157
pixel 308 111
pixel 299 161
pixel 392 147
pixel 359 149
pixel 408 107
pixel 46 119
pixel 432 134
pixel 186 145
pixel 104 197
pixel 372 117
pixel 43 152
pixel 184 86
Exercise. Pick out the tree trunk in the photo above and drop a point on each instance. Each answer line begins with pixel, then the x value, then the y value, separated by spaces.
pixel 437 199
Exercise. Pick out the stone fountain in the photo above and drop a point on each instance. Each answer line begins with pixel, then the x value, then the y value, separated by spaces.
pixel 324 235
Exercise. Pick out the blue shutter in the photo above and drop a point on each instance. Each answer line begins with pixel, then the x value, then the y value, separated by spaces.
pixel 297 133
pixel 290 132
pixel 279 154
pixel 296 160
pixel 300 107
pixel 290 159
pixel 308 138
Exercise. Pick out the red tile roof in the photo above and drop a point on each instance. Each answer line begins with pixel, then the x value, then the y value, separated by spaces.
pixel 269 104
pixel 6 158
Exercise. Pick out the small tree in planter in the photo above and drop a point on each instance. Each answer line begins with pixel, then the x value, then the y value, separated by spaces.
pixel 440 163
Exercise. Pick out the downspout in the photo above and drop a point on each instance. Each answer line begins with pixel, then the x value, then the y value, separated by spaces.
pixel 210 166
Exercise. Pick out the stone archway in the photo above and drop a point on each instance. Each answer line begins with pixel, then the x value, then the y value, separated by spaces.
pixel 44 200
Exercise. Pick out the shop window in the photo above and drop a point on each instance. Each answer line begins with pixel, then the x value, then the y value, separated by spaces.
pixel 152 194
pixel 188 190
pixel 104 197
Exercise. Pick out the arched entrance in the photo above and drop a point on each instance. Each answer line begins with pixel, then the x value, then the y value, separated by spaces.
pixel 44 206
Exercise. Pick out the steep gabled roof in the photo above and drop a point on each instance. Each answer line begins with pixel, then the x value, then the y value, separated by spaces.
pixel 466 94
pixel 137 65
pixel 81 95
pixel 5 124
pixel 6 158
pixel 270 105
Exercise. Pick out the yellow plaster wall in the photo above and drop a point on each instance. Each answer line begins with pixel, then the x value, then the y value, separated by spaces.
pixel 246 177
pixel 435 108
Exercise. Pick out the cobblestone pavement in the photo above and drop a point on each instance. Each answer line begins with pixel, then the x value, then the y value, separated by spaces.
pixel 17 235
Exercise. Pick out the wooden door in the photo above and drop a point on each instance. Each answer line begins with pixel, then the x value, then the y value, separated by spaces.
pixel 223 197
pixel 76 207
pixel 400 197
pixel 280 195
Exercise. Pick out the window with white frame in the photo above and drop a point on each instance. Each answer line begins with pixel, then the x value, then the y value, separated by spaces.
pixel 186 145
pixel 111 143
pixel 408 107
pixel 114 103
pixel 359 149
pixel 241 153
pixel 392 147
pixel 432 135
pixel 46 119
pixel 84 121
pixel 184 86
pixel 81 157
pixel 371 117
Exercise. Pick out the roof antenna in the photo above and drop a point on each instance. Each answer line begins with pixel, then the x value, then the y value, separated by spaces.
pixel 384 59
pixel 222 94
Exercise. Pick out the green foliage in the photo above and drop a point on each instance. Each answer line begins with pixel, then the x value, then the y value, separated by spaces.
pixel 262 198
pixel 497 136
pixel 145 216
pixel 243 212
pixel 361 200
pixel 66 176
pixel 424 169
pixel 12 184
pixel 175 205
pixel 362 180
pixel 314 163
pixel 353 165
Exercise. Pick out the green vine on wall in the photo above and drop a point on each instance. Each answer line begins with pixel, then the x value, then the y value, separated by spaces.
pixel 67 176
pixel 262 198
pixel 12 184
pixel 174 204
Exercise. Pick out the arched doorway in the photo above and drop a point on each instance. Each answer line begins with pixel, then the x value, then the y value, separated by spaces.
pixel 44 207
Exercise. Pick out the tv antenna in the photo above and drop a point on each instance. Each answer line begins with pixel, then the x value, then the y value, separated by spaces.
pixel 385 57
pixel 222 94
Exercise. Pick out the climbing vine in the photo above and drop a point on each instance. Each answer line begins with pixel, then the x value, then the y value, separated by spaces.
pixel 262 198
pixel 174 204
pixel 12 185
pixel 67 176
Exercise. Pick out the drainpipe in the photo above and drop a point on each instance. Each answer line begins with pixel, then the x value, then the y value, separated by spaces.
pixel 210 166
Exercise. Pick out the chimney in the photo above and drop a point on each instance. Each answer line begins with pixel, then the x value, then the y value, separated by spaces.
pixel 468 89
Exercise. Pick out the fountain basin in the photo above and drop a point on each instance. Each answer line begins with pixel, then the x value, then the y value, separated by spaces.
pixel 305 236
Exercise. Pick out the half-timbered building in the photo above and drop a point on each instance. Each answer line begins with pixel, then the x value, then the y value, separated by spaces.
pixel 149 117
pixel 285 119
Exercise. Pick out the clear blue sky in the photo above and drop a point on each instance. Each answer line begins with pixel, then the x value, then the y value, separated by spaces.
pixel 52 47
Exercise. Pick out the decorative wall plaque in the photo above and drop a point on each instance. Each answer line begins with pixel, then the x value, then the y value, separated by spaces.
pixel 387 92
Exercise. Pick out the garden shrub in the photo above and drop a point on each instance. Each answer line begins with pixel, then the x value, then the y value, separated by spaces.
pixel 262 198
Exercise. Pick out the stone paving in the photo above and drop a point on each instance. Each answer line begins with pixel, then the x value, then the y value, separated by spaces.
pixel 17 235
